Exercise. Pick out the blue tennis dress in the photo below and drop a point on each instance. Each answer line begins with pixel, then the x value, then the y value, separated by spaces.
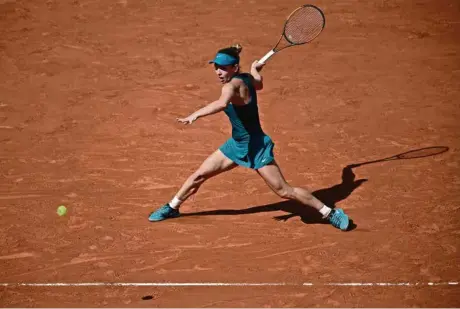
pixel 249 146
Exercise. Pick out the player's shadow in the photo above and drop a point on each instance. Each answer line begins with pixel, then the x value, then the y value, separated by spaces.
pixel 329 196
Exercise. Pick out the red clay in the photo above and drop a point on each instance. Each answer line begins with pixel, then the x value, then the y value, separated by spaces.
pixel 89 94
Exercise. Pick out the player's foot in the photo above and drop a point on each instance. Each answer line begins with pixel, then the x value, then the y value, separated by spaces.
pixel 163 213
pixel 339 219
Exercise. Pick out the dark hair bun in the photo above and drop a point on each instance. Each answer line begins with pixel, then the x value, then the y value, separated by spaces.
pixel 237 47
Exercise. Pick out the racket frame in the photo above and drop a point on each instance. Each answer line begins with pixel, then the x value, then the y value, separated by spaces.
pixel 283 35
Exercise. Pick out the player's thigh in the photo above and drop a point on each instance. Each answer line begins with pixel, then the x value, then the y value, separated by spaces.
pixel 273 176
pixel 215 164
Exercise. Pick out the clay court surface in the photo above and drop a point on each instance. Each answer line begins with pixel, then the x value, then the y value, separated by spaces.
pixel 89 94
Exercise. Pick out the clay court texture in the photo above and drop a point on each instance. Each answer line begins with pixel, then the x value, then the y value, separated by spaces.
pixel 89 96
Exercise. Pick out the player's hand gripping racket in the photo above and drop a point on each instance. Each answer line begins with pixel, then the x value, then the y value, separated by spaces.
pixel 302 26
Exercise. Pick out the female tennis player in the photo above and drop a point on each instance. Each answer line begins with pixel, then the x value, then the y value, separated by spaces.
pixel 249 146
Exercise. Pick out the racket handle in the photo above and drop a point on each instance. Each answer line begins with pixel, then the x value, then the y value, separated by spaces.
pixel 268 55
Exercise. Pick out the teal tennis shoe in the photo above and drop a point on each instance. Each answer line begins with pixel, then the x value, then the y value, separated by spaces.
pixel 339 219
pixel 163 213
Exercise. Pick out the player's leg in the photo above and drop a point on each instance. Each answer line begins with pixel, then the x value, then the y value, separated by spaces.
pixel 274 178
pixel 215 164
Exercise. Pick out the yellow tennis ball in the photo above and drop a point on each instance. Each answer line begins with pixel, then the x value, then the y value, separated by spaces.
pixel 61 210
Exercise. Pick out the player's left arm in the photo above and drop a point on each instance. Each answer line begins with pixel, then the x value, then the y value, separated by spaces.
pixel 258 80
pixel 228 91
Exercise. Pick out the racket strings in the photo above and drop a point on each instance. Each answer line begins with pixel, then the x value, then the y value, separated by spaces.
pixel 304 25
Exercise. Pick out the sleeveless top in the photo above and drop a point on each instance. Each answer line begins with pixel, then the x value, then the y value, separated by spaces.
pixel 249 146
pixel 245 118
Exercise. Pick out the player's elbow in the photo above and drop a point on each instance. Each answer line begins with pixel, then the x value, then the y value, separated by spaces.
pixel 259 86
pixel 220 104
pixel 258 82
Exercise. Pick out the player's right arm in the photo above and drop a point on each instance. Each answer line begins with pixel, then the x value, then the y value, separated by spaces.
pixel 228 91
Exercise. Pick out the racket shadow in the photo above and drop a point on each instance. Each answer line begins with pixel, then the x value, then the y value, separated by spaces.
pixel 412 154
pixel 330 196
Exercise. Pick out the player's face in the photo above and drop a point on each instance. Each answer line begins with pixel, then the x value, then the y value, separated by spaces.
pixel 225 72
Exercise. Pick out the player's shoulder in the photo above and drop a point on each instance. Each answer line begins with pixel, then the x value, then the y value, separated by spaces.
pixel 234 83
pixel 245 75
pixel 242 79
pixel 230 86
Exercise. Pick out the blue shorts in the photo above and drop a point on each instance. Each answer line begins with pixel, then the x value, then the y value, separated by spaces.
pixel 254 154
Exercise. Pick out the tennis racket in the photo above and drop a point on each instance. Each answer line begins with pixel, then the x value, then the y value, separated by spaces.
pixel 302 26
pixel 413 154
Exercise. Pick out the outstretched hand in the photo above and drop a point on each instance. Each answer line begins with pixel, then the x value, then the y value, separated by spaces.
pixel 188 120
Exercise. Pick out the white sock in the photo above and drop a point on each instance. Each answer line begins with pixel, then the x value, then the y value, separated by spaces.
pixel 325 211
pixel 175 203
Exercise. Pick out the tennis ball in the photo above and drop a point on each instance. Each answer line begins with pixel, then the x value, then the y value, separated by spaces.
pixel 61 210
